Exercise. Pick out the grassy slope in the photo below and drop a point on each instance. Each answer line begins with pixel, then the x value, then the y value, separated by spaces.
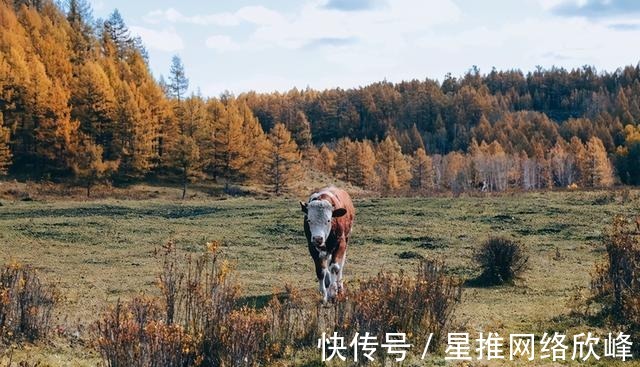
pixel 102 250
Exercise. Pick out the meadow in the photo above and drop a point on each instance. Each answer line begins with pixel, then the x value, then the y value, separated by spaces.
pixel 99 251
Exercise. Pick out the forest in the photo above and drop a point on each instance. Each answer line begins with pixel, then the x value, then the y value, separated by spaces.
pixel 80 106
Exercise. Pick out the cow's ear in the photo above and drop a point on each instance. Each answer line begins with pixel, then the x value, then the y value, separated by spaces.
pixel 339 212
pixel 303 206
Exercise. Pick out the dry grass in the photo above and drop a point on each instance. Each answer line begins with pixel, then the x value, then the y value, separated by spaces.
pixel 615 284
pixel 100 251
pixel 26 304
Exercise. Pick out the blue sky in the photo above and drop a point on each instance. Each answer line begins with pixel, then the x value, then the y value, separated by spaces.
pixel 266 46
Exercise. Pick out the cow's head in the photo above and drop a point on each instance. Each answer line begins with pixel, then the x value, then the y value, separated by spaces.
pixel 318 216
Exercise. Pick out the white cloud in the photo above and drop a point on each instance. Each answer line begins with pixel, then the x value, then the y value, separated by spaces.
pixel 249 14
pixel 385 25
pixel 222 43
pixel 167 39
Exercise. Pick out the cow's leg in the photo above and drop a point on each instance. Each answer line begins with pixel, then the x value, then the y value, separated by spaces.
pixel 324 278
pixel 337 267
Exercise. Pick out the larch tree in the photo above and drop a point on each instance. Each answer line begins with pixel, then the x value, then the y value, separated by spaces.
pixel 93 104
pixel 301 130
pixel 283 162
pixel 256 145
pixel 599 170
pixel 186 157
pixel 346 160
pixel 325 160
pixel 365 174
pixel 421 171
pixel 231 153
pixel 628 156
pixel 82 41
pixel 89 167
pixel 579 153
pixel 5 150
pixel 394 170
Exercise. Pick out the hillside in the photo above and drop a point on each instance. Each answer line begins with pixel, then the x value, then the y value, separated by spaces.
pixel 78 105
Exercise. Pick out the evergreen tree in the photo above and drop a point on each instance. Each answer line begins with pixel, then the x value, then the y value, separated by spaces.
pixel 119 33
pixel 178 81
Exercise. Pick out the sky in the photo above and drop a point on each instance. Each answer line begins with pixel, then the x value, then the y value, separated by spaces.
pixel 277 45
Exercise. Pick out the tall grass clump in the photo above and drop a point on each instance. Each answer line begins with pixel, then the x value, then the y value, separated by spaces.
pixel 26 304
pixel 615 283
pixel 501 260
pixel 194 322
pixel 396 302
pixel 197 320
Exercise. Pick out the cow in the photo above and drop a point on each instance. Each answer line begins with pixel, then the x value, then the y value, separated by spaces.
pixel 328 218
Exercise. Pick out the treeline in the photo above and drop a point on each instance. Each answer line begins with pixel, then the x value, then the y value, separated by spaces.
pixel 78 104
pixel 485 167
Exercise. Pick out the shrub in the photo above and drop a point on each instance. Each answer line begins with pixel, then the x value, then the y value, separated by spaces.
pixel 196 321
pixel 501 260
pixel 293 324
pixel 135 334
pixel 615 284
pixel 401 303
pixel 245 338
pixel 26 304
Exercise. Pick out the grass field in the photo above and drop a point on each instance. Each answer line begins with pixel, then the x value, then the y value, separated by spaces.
pixel 99 251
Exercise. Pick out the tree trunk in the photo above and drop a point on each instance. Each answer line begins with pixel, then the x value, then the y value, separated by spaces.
pixel 184 185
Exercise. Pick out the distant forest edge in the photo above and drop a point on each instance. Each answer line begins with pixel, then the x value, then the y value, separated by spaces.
pixel 78 104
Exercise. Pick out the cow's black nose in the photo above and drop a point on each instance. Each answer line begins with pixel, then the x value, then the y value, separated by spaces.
pixel 318 240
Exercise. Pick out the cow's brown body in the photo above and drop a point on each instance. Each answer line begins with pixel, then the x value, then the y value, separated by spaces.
pixel 335 246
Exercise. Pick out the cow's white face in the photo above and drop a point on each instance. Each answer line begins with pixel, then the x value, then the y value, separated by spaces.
pixel 318 215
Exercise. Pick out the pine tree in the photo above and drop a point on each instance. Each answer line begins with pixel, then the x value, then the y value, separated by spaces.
pixel 119 34
pixel 283 165
pixel 178 81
